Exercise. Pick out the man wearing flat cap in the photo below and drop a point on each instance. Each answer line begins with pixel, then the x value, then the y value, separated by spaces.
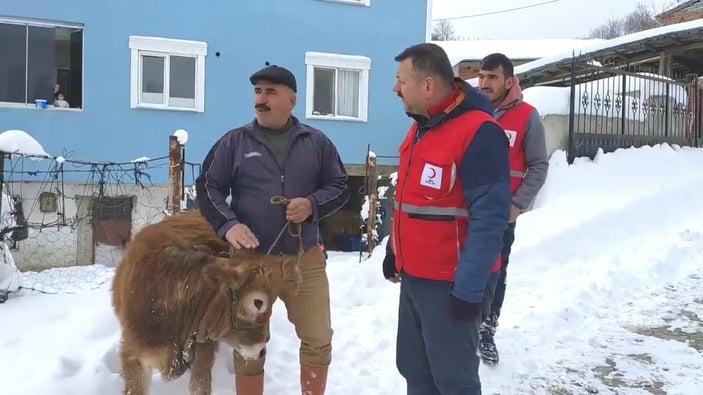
pixel 277 156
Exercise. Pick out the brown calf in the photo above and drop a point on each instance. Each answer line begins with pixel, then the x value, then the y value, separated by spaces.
pixel 177 293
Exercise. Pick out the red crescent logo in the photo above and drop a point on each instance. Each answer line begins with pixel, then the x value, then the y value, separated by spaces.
pixel 433 173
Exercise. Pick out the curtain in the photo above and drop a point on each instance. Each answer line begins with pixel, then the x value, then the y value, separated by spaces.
pixel 348 92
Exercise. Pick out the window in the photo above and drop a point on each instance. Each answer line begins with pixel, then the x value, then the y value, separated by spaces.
pixel 41 61
pixel 357 2
pixel 167 74
pixel 337 86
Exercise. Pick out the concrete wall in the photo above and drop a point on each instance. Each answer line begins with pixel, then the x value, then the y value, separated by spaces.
pixel 557 128
pixel 59 241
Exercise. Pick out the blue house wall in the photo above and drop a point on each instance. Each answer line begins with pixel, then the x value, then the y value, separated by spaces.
pixel 246 33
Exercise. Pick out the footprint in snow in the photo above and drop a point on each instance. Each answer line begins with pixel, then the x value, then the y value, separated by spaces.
pixel 69 366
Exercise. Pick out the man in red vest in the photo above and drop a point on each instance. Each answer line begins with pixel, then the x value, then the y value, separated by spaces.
pixel 452 203
pixel 528 170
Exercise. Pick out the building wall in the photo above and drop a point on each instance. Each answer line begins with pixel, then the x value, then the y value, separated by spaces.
pixel 682 17
pixel 244 34
pixel 689 13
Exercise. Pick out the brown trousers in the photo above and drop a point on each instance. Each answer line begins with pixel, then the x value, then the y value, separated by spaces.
pixel 308 310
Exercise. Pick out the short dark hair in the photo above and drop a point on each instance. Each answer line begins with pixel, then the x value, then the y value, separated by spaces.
pixel 495 60
pixel 429 59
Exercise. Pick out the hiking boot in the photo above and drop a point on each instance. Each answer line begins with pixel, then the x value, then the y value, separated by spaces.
pixel 487 348
pixel 486 345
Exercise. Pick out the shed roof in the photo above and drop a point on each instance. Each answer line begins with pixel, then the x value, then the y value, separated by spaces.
pixel 682 40
pixel 523 49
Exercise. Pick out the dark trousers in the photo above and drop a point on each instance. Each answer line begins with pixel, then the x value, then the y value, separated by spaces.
pixel 487 304
pixel 436 354
pixel 499 294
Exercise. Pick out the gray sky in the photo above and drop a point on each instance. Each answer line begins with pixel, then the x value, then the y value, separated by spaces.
pixel 561 19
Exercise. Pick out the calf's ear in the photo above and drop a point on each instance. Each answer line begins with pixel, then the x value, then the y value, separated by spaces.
pixel 227 272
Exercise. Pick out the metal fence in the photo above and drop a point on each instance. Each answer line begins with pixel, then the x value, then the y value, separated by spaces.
pixel 621 107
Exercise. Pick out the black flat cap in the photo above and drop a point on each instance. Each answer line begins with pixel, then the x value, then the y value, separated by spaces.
pixel 275 74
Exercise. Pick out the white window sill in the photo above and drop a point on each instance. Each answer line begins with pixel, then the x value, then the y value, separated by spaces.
pixel 163 108
pixel 339 118
pixel 19 106
pixel 363 3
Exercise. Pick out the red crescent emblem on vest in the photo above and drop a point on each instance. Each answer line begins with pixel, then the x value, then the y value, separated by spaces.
pixel 433 173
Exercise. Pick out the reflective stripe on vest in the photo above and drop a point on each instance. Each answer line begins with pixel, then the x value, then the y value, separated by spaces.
pixel 518 174
pixel 431 210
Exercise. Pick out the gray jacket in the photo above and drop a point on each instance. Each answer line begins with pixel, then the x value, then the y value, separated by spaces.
pixel 535 146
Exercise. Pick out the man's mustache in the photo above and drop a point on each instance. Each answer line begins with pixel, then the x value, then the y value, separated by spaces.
pixel 262 106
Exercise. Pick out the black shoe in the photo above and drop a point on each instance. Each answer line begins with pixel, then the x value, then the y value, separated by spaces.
pixel 486 345
pixel 487 349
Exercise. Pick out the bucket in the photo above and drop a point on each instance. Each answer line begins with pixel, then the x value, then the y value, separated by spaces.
pixel 40 103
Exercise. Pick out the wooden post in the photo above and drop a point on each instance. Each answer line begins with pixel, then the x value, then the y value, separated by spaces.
pixel 373 201
pixel 175 170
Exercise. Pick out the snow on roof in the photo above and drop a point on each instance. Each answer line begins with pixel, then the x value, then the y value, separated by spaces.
pixel 607 44
pixel 21 143
pixel 458 51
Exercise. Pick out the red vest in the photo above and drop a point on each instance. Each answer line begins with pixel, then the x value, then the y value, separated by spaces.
pixel 431 216
pixel 514 121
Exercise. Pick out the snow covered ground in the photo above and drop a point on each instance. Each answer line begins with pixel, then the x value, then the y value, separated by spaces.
pixel 604 296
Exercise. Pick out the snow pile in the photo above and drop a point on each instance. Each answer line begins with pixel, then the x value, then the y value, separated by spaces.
pixel 603 294
pixel 20 143
pixel 10 278
pixel 13 142
pixel 67 280
pixel 548 100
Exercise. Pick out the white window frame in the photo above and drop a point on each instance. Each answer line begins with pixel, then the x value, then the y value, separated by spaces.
pixel 165 47
pixel 40 23
pixel 365 3
pixel 337 61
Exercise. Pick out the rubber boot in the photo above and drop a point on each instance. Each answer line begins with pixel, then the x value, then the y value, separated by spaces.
pixel 249 385
pixel 313 380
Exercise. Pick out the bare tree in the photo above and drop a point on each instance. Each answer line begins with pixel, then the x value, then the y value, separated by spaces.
pixel 610 29
pixel 641 18
pixel 443 31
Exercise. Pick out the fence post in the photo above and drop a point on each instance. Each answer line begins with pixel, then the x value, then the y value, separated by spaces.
pixel 175 170
pixel 373 201
pixel 571 150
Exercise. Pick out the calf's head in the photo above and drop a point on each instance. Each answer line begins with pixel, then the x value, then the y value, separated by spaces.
pixel 255 298
pixel 251 305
